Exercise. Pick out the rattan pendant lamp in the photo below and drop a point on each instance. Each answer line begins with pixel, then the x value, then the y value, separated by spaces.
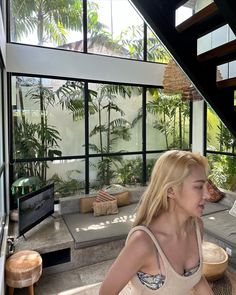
pixel 176 82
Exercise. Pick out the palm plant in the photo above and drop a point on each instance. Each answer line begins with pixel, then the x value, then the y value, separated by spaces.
pixel 49 18
pixel 168 110
pixel 131 39
pixel 110 131
pixel 35 140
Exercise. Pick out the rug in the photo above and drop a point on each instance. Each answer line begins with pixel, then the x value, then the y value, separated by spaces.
pixel 222 286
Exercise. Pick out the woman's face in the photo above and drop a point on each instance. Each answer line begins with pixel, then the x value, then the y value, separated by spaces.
pixel 193 193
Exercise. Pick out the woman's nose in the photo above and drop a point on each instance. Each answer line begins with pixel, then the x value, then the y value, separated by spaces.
pixel 206 194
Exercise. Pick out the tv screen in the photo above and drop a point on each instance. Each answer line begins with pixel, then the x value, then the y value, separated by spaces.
pixel 35 207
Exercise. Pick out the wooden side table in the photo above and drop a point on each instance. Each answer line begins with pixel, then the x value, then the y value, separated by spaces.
pixel 23 269
pixel 215 261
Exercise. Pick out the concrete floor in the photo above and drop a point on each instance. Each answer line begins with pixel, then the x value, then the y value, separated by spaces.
pixel 87 280
pixel 82 281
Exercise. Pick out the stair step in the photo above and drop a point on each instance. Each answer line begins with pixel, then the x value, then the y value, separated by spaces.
pixel 220 54
pixel 203 22
pixel 226 83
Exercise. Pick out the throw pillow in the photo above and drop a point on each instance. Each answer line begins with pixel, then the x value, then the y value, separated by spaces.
pixel 105 207
pixel 103 196
pixel 86 204
pixel 123 198
pixel 215 194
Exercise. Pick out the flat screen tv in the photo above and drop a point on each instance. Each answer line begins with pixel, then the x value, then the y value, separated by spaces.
pixel 35 207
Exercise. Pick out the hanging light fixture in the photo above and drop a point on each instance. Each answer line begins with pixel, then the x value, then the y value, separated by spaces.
pixel 176 82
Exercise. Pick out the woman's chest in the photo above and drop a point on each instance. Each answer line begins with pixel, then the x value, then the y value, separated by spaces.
pixel 182 254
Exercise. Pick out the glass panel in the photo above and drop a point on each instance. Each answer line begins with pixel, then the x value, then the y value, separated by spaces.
pixel 1 121
pixel 183 13
pixel 214 39
pixel 2 210
pixel 116 29
pixel 219 137
pixel 67 175
pixel 47 23
pixel 155 50
pixel 48 117
pixel 232 69
pixel 112 111
pixel 167 121
pixel 223 171
pixel 2 169
pixel 226 71
pixel 222 72
pixel 200 4
pixel 151 160
pixel 189 8
pixel 123 170
pixel 234 99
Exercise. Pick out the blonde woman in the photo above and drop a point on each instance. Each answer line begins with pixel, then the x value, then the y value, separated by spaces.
pixel 163 252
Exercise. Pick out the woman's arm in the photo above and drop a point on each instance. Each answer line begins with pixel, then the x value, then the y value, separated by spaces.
pixel 203 288
pixel 130 260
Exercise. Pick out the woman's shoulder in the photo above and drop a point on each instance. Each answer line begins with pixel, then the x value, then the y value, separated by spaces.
pixel 141 239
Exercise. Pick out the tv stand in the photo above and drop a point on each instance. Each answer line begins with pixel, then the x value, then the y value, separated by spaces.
pixel 52 239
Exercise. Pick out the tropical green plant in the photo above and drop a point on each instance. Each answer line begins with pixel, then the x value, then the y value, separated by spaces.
pixel 223 167
pixel 172 117
pixel 225 138
pixel 50 19
pixel 68 185
pixel 132 38
pixel 34 140
pixel 223 171
pixel 111 130
pixel 130 172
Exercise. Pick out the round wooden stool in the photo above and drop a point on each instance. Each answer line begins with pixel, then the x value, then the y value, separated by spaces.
pixel 23 269
pixel 215 261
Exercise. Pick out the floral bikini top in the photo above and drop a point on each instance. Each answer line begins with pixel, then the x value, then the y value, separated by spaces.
pixel 155 282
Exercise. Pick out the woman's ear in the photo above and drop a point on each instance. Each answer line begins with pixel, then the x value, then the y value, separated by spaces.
pixel 171 193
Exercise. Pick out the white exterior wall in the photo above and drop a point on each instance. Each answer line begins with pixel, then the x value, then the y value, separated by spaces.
pixel 60 63
pixel 198 127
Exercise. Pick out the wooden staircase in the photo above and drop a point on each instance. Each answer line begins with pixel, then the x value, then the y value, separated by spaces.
pixel 182 42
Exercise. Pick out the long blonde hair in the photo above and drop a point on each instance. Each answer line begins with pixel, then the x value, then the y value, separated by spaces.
pixel 169 170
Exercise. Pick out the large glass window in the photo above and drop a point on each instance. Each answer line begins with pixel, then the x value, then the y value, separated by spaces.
pixel 83 135
pixel 221 152
pixel 47 23
pixel 2 164
pixel 155 50
pixel 118 31
pixel 114 109
pixel 49 115
pixel 111 27
pixel 167 121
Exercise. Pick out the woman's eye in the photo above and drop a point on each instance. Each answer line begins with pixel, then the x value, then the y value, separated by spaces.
pixel 199 187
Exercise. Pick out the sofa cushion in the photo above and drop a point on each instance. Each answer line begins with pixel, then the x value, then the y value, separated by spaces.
pixel 88 230
pixel 221 225
pixel 213 207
